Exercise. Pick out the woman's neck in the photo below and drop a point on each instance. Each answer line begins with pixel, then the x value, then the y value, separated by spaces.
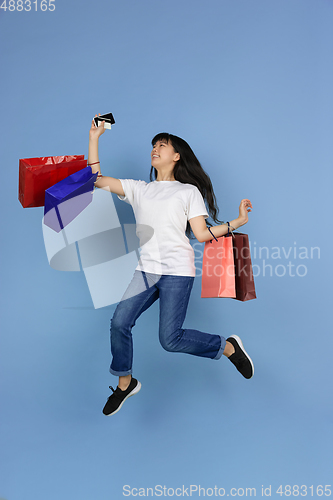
pixel 164 180
pixel 165 176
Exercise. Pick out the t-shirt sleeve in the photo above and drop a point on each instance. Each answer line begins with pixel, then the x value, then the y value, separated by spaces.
pixel 130 187
pixel 196 205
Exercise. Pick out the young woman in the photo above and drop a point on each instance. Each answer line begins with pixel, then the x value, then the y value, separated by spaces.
pixel 166 210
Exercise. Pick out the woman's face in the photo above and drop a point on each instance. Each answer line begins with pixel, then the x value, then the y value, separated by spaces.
pixel 163 155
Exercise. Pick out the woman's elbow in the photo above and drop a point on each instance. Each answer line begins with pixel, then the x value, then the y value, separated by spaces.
pixel 200 237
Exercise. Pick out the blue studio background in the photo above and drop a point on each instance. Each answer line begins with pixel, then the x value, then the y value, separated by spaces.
pixel 248 83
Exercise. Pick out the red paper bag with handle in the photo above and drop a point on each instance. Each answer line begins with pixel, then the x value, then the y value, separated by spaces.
pixel 245 289
pixel 218 269
pixel 38 174
pixel 227 268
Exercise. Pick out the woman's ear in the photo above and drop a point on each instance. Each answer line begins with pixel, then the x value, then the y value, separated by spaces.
pixel 176 157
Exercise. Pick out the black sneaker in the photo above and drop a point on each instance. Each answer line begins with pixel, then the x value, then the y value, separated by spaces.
pixel 117 399
pixel 240 358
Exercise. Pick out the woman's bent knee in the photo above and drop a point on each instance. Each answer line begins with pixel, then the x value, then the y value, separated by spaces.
pixel 170 342
pixel 120 323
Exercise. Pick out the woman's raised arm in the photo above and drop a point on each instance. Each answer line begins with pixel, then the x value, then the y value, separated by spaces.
pixel 110 183
pixel 202 233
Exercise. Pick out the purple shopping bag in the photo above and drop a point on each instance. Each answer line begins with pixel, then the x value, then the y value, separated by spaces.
pixel 68 198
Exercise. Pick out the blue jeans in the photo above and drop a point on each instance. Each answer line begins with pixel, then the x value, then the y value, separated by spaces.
pixel 174 293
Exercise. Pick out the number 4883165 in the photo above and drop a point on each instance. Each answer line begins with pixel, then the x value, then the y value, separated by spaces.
pixel 27 5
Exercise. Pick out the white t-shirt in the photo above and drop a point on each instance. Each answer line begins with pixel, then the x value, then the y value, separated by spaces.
pixel 162 209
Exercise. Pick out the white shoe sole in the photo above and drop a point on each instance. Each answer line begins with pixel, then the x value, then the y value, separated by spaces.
pixel 135 391
pixel 240 343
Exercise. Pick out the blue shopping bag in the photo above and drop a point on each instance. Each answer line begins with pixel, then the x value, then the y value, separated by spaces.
pixel 68 198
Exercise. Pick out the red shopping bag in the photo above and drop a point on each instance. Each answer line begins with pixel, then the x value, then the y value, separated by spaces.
pixel 245 289
pixel 218 269
pixel 227 268
pixel 38 174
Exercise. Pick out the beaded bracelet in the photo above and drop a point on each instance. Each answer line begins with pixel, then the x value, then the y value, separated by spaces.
pixel 90 164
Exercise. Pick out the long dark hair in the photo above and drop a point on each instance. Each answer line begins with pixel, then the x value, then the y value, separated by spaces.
pixel 189 171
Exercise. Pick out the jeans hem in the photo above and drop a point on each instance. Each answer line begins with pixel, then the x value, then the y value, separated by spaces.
pixel 223 343
pixel 120 374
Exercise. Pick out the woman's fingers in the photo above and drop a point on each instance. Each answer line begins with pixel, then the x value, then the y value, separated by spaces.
pixel 247 203
pixel 93 125
pixel 99 127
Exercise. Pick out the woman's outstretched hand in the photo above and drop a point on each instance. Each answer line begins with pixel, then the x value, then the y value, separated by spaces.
pixel 244 209
pixel 96 132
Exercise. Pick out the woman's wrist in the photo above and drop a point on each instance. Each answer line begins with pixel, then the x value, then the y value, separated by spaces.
pixel 93 138
pixel 240 221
